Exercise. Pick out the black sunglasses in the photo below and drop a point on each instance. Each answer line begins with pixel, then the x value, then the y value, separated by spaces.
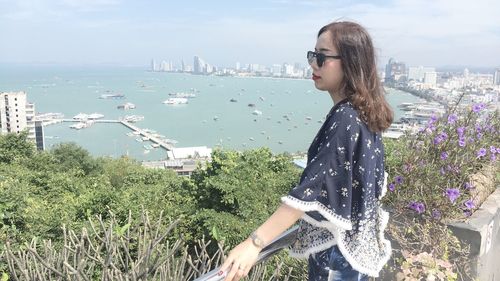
pixel 320 58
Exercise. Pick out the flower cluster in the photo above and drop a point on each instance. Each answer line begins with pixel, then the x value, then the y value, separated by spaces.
pixel 432 169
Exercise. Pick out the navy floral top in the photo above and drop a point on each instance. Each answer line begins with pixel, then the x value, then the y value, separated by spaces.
pixel 339 192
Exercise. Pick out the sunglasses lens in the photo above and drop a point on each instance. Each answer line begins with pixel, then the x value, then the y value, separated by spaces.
pixel 320 59
pixel 310 56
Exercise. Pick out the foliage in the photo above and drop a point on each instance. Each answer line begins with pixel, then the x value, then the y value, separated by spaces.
pixel 432 181
pixel 15 146
pixel 241 187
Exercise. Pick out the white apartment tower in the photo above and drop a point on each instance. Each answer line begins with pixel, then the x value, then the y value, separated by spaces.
pixel 16 114
pixel 496 77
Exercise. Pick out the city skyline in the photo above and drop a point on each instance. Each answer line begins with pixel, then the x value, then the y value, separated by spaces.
pixel 427 33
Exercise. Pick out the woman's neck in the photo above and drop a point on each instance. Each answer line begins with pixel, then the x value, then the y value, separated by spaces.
pixel 336 97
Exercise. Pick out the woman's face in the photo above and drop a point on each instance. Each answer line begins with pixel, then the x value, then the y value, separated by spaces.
pixel 329 76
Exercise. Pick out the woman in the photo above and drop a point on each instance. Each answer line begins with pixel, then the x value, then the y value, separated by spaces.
pixel 337 199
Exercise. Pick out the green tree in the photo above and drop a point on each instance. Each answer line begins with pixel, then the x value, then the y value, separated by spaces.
pixel 15 146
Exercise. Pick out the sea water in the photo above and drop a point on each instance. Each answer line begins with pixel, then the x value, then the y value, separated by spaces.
pixel 285 114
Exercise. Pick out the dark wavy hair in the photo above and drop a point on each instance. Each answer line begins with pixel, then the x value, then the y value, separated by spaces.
pixel 361 84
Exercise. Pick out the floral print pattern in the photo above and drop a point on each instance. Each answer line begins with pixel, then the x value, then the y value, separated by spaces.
pixel 339 191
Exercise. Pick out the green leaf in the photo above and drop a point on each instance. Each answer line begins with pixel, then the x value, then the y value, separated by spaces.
pixel 5 277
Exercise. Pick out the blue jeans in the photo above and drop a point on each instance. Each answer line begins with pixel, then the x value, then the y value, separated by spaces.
pixel 330 265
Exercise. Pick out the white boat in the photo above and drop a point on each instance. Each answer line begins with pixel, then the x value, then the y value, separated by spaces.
pixel 133 118
pixel 182 95
pixel 95 116
pixel 257 112
pixel 112 96
pixel 175 101
pixel 80 116
pixel 155 145
pixel 130 134
pixel 145 138
pixel 78 126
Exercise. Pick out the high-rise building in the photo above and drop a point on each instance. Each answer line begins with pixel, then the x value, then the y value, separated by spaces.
pixel 395 71
pixel 496 77
pixel 16 114
pixel 238 66
pixel 430 78
pixel 417 73
pixel 153 65
pixel 39 135
pixel 198 65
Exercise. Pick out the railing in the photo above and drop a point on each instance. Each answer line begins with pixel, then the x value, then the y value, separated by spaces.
pixel 281 242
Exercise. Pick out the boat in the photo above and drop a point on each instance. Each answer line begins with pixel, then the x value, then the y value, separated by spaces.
pixel 133 118
pixel 262 98
pixel 175 101
pixel 78 126
pixel 146 151
pixel 145 138
pixel 80 116
pixel 112 96
pixel 147 146
pixel 127 105
pixel 155 145
pixel 257 112
pixel 139 139
pixel 251 105
pixel 233 100
pixel 94 116
pixel 182 95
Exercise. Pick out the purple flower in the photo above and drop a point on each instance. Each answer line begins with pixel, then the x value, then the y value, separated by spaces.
pixel 452 194
pixel 440 138
pixel 444 155
pixel 478 107
pixel 399 180
pixel 417 207
pixel 479 136
pixel 436 214
pixel 467 213
pixel 392 186
pixel 461 142
pixel 469 204
pixel 434 118
pixel 478 128
pixel 442 171
pixel 468 186
pixel 481 153
pixel 460 131
pixel 498 150
pixel 493 150
pixel 493 157
pixel 452 118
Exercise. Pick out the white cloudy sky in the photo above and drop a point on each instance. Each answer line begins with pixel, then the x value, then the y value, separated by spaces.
pixel 418 32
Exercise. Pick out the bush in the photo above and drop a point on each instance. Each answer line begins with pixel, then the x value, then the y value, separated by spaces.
pixel 431 180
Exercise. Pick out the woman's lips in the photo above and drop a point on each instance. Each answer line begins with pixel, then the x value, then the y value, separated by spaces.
pixel 315 77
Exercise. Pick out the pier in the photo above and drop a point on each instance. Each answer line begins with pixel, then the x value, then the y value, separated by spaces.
pixel 141 132
pixel 152 138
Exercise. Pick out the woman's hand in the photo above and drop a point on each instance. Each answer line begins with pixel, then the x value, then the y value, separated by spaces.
pixel 240 260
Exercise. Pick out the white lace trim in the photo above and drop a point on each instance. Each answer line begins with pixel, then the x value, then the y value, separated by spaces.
pixel 320 208
pixel 384 186
pixel 332 226
pixel 384 216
